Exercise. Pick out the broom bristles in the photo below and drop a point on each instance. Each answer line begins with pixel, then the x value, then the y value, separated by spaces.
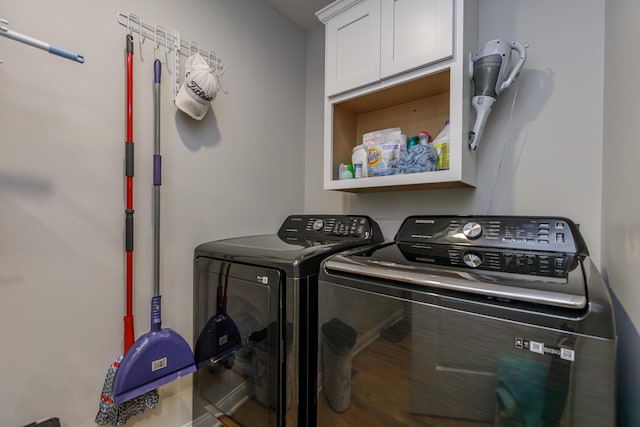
pixel 117 415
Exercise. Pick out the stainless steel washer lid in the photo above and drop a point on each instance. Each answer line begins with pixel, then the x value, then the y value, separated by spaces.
pixel 567 293
pixel 539 260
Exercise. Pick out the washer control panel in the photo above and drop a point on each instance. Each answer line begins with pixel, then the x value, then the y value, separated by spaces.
pixel 320 227
pixel 527 233
pixel 545 246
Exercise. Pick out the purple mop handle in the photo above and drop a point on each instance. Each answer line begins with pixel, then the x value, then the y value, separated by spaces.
pixel 157 158
pixel 156 316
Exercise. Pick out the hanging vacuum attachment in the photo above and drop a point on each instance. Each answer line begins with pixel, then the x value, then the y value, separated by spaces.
pixel 161 355
pixel 220 337
pixel 488 70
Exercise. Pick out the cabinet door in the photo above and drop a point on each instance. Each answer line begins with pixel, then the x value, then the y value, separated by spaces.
pixel 414 33
pixel 353 48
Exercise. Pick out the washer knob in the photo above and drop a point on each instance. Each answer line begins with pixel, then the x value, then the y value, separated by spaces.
pixel 472 230
pixel 472 259
pixel 318 225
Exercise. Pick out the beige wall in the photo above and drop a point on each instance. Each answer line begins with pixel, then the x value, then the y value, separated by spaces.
pixel 62 192
pixel 621 204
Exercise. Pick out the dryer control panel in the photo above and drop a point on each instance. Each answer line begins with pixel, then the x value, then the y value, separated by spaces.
pixel 329 227
pixel 544 246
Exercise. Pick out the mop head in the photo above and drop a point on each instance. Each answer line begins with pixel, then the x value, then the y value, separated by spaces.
pixel 117 415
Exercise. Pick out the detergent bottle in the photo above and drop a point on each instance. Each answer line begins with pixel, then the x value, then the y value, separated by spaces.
pixel 441 143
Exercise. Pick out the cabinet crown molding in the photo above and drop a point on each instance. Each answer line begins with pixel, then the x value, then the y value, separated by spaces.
pixel 335 8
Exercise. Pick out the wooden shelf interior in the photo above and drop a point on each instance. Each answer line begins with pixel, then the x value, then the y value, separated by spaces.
pixel 414 106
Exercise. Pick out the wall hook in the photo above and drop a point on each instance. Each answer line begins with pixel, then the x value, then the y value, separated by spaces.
pixel 5 22
pixel 129 30
pixel 167 49
pixel 212 63
pixel 156 43
pixel 141 38
pixel 191 44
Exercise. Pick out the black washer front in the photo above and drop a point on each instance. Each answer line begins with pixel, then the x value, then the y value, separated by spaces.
pixel 293 255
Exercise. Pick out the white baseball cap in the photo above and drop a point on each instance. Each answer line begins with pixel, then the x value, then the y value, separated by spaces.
pixel 200 87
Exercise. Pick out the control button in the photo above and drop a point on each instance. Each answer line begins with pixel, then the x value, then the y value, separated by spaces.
pixel 543 225
pixel 543 241
pixel 559 226
pixel 543 231
pixel 559 237
pixel 472 259
pixel 559 273
pixel 318 225
pixel 472 230
pixel 531 259
pixel 530 241
pixel 559 262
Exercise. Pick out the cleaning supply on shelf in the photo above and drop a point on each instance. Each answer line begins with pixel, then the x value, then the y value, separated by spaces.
pixel 421 158
pixel 345 171
pixel 383 151
pixel 441 144
pixel 424 137
pixel 357 170
pixel 359 156
pixel 413 141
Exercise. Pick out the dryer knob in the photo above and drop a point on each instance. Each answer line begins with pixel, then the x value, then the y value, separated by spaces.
pixel 472 230
pixel 472 259
pixel 318 225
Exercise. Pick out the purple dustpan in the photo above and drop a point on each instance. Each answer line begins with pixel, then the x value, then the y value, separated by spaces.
pixel 156 358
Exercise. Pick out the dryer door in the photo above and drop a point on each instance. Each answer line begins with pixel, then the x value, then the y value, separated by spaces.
pixel 250 385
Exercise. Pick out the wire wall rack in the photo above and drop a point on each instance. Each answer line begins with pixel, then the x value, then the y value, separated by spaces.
pixel 173 44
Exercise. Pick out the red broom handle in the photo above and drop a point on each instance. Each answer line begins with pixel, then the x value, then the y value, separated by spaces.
pixel 129 335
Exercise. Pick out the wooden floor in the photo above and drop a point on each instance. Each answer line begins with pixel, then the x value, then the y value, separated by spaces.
pixel 254 414
pixel 380 394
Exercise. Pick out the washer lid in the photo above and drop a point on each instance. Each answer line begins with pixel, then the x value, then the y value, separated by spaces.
pixel 389 262
pixel 302 243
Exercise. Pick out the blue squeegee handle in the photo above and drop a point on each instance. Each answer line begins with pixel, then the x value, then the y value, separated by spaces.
pixel 66 54
pixel 4 31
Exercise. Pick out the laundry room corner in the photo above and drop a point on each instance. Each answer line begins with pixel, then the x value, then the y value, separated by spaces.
pixel 62 184
pixel 558 141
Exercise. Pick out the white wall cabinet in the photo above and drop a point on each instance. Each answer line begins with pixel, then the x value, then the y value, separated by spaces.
pixel 368 40
pixel 353 39
pixel 414 33
pixel 398 63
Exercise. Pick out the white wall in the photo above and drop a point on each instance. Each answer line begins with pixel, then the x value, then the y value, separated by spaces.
pixel 62 191
pixel 621 206
pixel 544 159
